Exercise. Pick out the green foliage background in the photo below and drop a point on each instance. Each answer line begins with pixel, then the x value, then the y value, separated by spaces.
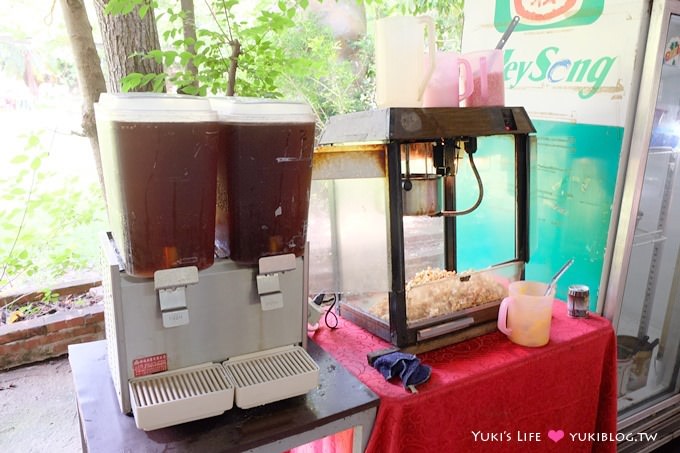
pixel 50 224
pixel 286 52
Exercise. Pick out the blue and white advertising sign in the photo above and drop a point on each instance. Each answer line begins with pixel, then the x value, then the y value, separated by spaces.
pixel 571 65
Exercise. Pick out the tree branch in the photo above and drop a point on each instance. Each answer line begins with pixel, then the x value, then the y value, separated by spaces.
pixel 235 48
pixel 233 64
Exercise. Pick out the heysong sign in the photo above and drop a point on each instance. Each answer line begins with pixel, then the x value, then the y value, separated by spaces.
pixel 551 64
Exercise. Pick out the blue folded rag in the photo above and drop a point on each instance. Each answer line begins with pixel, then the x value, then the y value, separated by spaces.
pixel 405 366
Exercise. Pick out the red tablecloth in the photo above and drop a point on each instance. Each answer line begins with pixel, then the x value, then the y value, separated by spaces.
pixel 488 394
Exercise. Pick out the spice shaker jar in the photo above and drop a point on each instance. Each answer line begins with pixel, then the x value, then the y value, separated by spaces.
pixel 578 301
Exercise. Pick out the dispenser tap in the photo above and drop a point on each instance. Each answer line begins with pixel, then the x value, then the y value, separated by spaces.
pixel 268 284
pixel 171 286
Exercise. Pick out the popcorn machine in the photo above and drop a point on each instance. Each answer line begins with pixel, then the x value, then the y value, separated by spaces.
pixel 419 219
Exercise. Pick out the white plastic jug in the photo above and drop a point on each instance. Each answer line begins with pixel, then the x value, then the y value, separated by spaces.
pixel 443 88
pixel 487 75
pixel 525 315
pixel 400 77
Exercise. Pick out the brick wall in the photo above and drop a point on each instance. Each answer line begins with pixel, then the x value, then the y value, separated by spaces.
pixel 48 336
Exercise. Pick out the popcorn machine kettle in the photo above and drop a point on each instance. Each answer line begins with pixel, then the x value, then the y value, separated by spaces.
pixel 419 218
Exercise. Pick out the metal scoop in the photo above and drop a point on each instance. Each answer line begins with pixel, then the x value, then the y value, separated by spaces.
pixel 503 40
pixel 557 276
pixel 506 35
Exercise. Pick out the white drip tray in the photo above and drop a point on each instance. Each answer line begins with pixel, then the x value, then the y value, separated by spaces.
pixel 179 396
pixel 267 376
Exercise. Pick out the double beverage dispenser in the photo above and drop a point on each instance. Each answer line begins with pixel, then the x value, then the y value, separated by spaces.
pixel 205 272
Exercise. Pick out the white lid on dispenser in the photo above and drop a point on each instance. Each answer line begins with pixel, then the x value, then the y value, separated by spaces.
pixel 154 108
pixel 235 109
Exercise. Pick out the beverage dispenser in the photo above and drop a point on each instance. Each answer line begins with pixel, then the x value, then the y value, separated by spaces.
pixel 191 332
pixel 159 156
pixel 419 219
pixel 263 177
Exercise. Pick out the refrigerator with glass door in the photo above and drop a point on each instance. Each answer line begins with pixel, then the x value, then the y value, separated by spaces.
pixel 643 289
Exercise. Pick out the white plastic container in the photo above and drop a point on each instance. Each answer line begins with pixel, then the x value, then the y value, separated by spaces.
pixel 267 376
pixel 264 174
pixel 159 158
pixel 179 396
pixel 401 77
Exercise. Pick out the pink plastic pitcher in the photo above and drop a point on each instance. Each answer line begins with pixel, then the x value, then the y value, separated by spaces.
pixel 443 88
pixel 487 76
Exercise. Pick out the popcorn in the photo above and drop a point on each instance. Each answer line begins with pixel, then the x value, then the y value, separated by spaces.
pixel 436 292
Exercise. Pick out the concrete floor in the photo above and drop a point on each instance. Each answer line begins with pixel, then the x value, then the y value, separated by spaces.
pixel 38 409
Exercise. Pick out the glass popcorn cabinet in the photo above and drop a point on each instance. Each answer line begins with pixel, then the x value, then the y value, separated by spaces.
pixel 419 219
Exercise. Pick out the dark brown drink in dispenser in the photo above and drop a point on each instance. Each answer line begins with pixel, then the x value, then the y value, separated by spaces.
pixel 264 178
pixel 163 179
pixel 168 178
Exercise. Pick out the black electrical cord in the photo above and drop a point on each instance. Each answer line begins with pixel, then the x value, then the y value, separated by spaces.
pixel 479 184
pixel 332 299
pixel 321 301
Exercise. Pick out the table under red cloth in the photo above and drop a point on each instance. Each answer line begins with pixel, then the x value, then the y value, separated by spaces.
pixel 488 394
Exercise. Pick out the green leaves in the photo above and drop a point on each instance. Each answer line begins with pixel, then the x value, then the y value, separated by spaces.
pixel 152 82
pixel 274 62
pixel 45 221
pixel 121 6
pixel 131 81
pixel 21 158
pixel 143 10
pixel 128 6
pixel 261 63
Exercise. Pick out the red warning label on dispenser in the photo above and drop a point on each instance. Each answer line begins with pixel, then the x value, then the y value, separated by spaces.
pixel 150 365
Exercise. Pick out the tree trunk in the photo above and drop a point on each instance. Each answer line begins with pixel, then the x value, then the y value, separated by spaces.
pixel 189 26
pixel 90 76
pixel 126 39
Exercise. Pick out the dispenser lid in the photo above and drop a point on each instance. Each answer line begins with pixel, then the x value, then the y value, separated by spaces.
pixel 153 108
pixel 235 109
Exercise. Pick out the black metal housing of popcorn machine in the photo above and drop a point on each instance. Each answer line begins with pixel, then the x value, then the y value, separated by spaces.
pixel 419 219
